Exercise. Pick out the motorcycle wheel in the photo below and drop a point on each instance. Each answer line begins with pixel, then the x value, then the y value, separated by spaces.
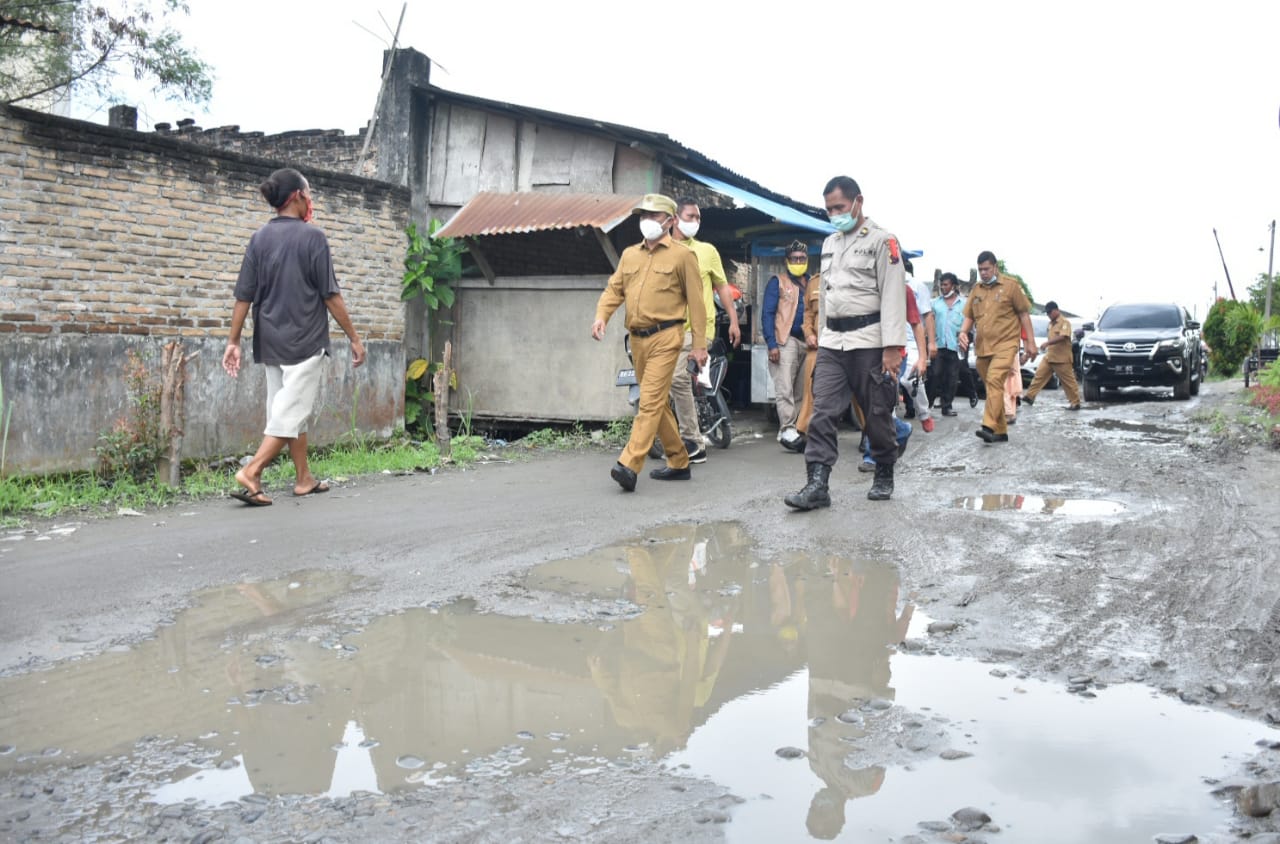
pixel 721 435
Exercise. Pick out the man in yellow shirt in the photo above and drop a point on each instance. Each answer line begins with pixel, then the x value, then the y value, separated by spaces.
pixel 659 282
pixel 688 221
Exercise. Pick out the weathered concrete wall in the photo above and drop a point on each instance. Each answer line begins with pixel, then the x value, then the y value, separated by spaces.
pixel 108 233
pixel 523 349
pixel 67 390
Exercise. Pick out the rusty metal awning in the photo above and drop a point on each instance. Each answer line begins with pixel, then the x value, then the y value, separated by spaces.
pixel 521 213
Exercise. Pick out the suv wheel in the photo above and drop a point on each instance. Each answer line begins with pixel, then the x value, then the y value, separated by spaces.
pixel 1195 384
pixel 1092 392
pixel 1182 390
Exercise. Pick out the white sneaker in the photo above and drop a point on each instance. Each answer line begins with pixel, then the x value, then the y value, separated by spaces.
pixel 789 435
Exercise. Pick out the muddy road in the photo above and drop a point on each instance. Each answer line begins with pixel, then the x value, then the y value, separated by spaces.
pixel 1071 637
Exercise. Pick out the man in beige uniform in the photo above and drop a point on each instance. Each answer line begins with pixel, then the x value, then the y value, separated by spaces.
pixel 1002 312
pixel 863 330
pixel 658 280
pixel 1057 360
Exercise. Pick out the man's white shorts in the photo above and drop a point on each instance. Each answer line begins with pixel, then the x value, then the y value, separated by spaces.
pixel 291 396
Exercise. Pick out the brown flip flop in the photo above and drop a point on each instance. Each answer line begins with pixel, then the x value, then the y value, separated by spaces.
pixel 254 498
pixel 320 487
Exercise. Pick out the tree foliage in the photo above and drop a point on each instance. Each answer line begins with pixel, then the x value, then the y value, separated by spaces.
pixel 1231 329
pixel 1258 293
pixel 50 46
pixel 1026 288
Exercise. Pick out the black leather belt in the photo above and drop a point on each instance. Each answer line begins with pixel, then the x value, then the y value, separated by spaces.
pixel 852 323
pixel 663 326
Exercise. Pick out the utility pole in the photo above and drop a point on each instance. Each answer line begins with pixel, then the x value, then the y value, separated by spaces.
pixel 1225 271
pixel 1266 313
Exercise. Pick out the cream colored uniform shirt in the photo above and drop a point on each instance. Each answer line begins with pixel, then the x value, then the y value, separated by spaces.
pixel 862 273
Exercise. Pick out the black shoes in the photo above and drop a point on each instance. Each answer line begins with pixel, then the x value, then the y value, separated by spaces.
pixel 814 494
pixel 625 477
pixel 973 400
pixel 1074 407
pixel 697 453
pixel 882 487
pixel 666 473
pixel 989 436
pixel 1028 401
pixel 946 411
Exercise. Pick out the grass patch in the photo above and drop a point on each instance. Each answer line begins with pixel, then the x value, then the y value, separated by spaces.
pixel 50 496
pixel 614 435
pixel 23 498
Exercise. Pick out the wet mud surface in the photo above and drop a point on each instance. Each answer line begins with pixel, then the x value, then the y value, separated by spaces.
pixel 1069 637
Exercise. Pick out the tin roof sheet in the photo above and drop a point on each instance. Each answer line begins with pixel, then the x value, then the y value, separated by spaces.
pixel 521 213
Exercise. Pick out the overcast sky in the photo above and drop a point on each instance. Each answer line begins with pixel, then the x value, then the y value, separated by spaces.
pixel 1094 145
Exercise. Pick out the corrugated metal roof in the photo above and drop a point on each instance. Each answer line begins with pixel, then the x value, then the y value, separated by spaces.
pixel 521 213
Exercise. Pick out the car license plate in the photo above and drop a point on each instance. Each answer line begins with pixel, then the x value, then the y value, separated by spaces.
pixel 1125 370
pixel 626 378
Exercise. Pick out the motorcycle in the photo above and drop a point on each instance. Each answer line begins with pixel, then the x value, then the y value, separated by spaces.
pixel 708 396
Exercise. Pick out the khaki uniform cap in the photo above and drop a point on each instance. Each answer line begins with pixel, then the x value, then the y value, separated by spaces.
pixel 656 202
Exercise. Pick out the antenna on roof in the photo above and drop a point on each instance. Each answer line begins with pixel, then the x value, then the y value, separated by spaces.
pixel 386 74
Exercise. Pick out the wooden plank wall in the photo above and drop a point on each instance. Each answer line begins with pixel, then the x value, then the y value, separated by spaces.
pixel 473 150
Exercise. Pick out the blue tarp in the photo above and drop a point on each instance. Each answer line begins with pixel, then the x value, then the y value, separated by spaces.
pixel 781 213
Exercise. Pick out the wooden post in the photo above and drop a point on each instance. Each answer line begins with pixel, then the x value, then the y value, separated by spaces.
pixel 441 386
pixel 173 378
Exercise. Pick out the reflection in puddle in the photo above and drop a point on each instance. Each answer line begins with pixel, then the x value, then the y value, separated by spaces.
pixel 1036 504
pixel 700 656
pixel 1144 430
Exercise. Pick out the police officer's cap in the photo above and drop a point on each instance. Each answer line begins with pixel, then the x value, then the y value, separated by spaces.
pixel 656 202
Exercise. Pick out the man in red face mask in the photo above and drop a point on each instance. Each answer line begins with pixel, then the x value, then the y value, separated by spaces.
pixel 287 277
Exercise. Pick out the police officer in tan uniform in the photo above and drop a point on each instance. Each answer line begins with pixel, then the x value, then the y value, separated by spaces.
pixel 658 280
pixel 1002 313
pixel 863 330
pixel 1057 360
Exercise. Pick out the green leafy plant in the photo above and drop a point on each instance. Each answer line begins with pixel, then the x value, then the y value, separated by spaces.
pixel 132 446
pixel 431 264
pixel 1231 329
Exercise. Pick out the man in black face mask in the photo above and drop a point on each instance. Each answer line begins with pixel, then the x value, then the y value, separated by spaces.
pixel 658 280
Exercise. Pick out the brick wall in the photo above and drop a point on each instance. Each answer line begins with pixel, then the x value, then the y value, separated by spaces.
pixel 107 231
pixel 112 239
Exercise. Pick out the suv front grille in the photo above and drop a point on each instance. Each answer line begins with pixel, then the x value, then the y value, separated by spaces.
pixel 1138 348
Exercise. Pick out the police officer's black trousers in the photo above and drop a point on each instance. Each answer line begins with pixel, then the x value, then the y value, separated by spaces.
pixel 838 376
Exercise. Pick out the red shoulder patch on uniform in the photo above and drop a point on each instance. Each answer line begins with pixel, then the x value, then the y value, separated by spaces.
pixel 895 254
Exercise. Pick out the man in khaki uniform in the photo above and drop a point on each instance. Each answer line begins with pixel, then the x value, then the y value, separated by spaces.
pixel 863 330
pixel 658 280
pixel 1057 360
pixel 1002 313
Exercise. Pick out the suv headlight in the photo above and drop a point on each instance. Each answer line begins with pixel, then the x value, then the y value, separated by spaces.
pixel 1089 343
pixel 1173 343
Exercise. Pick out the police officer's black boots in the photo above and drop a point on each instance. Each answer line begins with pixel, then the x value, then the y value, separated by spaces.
pixel 814 494
pixel 882 488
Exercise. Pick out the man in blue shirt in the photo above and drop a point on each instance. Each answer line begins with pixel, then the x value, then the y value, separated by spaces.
pixel 948 315
pixel 783 325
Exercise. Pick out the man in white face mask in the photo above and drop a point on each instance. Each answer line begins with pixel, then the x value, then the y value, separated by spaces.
pixel 659 282
pixel 688 222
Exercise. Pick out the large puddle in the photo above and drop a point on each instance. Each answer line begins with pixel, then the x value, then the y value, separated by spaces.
pixel 696 654
pixel 1047 506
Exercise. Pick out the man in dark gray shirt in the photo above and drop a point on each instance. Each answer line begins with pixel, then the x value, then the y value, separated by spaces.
pixel 287 277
